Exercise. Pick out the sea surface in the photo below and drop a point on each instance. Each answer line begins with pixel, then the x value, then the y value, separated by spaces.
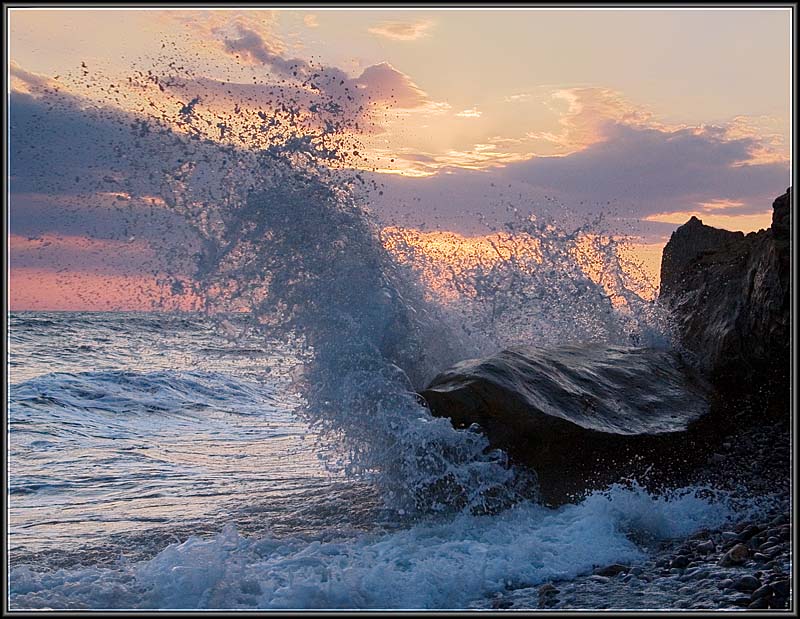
pixel 156 461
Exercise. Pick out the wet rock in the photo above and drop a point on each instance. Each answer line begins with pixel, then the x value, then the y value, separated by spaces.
pixel 759 603
pixel 729 293
pixel 500 603
pixel 781 588
pixel 548 588
pixel 747 583
pixel 611 570
pixel 779 520
pixel 706 547
pixel 681 561
pixel 738 600
pixel 735 556
pixel 762 591
pixel 580 416
pixel 749 532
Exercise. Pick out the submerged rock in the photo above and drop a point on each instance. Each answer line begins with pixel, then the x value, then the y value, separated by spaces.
pixel 729 295
pixel 580 416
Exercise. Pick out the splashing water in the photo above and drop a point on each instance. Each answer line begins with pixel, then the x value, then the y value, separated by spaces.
pixel 275 198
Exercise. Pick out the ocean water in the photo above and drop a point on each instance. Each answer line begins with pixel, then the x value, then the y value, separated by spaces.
pixel 155 463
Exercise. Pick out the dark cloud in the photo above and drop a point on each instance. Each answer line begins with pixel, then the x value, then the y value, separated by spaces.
pixel 649 170
pixel 309 83
pixel 253 47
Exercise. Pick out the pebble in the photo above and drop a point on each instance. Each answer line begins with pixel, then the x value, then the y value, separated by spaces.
pixel 611 570
pixel 596 578
pixel 781 588
pixel 548 588
pixel 735 556
pixel 748 532
pixel 680 561
pixel 738 600
pixel 725 584
pixel 779 520
pixel 747 583
pixel 707 546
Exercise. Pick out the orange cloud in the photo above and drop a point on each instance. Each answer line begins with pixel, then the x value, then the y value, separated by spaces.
pixel 402 30
pixel 472 112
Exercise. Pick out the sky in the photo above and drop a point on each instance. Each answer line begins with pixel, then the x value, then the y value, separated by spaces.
pixel 651 116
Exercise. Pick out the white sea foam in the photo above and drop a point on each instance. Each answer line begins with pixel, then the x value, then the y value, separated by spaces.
pixel 435 564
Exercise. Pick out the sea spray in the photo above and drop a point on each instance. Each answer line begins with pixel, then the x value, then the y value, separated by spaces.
pixel 275 198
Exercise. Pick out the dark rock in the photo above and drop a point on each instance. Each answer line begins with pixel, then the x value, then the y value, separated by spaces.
pixel 735 556
pixel 781 588
pixel 739 600
pixel 747 583
pixel 729 296
pixel 611 570
pixel 548 589
pixel 779 520
pixel 580 416
pixel 706 547
pixel 759 603
pixel 763 591
pixel 681 561
pixel 600 579
pixel 778 602
pixel 502 604
pixel 749 532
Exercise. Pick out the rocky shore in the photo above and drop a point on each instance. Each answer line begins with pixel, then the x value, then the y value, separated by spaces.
pixel 745 565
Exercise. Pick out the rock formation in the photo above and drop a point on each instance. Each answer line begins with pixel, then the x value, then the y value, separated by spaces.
pixel 729 296
pixel 578 415
pixel 586 416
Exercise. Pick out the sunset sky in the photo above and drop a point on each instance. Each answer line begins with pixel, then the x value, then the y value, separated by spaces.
pixel 650 115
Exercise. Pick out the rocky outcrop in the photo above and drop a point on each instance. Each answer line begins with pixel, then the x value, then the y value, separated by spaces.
pixel 580 416
pixel 586 416
pixel 729 296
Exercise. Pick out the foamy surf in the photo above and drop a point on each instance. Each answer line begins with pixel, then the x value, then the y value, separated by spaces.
pixel 438 564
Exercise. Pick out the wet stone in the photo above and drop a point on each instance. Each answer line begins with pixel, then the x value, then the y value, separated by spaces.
pixel 706 547
pixel 611 570
pixel 747 583
pixel 735 556
pixel 781 588
pixel 600 579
